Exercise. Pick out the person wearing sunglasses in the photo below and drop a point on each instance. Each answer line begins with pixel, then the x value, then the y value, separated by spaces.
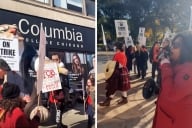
pixel 174 103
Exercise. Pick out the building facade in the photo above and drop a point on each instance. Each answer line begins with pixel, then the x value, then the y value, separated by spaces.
pixel 69 26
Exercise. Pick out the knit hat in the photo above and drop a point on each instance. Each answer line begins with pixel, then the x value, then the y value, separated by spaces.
pixel 10 91
pixel 4 65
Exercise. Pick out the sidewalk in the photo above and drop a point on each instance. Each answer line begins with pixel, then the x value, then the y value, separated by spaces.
pixel 137 113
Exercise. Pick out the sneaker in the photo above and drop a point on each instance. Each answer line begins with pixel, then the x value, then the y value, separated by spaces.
pixel 123 101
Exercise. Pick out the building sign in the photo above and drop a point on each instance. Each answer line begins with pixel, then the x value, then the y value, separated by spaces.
pixel 9 51
pixel 59 35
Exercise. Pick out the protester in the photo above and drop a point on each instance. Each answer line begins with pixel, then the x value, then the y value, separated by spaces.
pixel 90 101
pixel 57 97
pixel 173 106
pixel 144 58
pixel 154 52
pixel 138 60
pixel 11 109
pixel 130 55
pixel 119 79
pixel 6 75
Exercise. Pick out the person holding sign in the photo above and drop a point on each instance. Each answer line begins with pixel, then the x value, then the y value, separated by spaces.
pixel 119 79
pixel 57 97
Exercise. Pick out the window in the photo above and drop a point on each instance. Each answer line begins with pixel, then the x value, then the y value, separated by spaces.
pixel 60 3
pixel 75 5
pixel 43 1
pixel 90 8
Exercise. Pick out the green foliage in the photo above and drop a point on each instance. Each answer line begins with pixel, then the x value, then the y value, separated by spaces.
pixel 155 15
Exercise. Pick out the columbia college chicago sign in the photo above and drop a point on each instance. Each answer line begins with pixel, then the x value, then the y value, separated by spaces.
pixel 59 35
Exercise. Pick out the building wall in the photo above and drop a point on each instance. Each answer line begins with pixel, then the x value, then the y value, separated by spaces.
pixel 43 10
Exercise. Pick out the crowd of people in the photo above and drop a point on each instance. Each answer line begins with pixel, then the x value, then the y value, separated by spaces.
pixel 172 60
pixel 13 100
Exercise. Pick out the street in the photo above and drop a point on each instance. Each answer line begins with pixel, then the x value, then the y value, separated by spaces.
pixel 73 118
pixel 137 113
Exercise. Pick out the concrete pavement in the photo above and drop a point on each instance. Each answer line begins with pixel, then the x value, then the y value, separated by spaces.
pixel 137 113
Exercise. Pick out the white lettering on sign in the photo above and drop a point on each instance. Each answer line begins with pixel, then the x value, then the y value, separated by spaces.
pixel 51 32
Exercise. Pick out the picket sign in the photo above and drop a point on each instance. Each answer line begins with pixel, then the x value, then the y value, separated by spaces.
pixel 9 51
pixel 51 79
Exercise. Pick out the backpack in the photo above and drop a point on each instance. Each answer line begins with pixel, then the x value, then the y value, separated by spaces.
pixel 148 88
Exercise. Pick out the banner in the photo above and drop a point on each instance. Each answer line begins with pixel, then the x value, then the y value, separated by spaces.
pixel 104 40
pixel 42 50
pixel 9 51
pixel 51 80
pixel 121 28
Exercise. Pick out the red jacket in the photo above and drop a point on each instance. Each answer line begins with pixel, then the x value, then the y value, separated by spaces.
pixel 121 58
pixel 174 104
pixel 156 51
pixel 18 120
pixel 56 96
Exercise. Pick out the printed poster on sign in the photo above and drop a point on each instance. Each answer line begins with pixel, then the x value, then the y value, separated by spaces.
pixel 129 41
pixel 141 32
pixel 141 36
pixel 51 80
pixel 121 28
pixel 9 51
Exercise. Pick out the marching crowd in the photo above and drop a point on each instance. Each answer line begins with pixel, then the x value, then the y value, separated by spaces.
pixel 173 61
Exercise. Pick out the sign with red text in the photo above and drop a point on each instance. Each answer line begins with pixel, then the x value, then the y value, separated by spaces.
pixel 51 80
pixel 9 51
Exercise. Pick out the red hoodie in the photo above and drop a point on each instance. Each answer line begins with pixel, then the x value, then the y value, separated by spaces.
pixel 18 119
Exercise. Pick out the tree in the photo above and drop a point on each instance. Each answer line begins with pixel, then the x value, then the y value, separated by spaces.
pixel 155 15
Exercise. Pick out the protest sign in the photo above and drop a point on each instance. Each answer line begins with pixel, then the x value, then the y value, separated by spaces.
pixel 9 51
pixel 51 80
pixel 121 28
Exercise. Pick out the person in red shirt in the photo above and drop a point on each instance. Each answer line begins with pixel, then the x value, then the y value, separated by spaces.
pixel 120 78
pixel 174 103
pixel 90 101
pixel 11 109
pixel 154 57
